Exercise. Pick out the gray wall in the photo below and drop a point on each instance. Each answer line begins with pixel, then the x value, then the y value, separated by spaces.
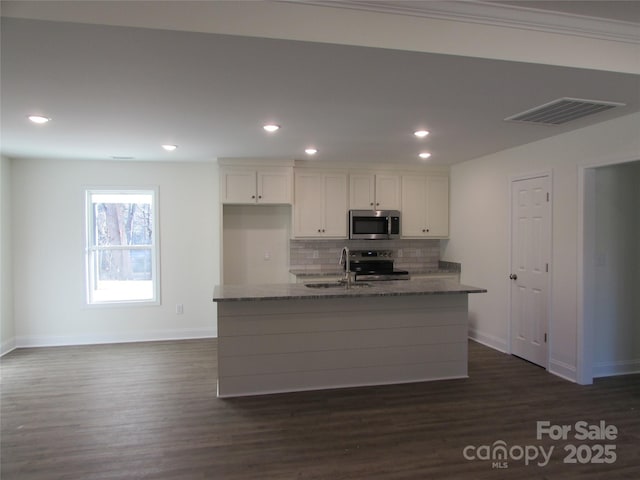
pixel 411 255
pixel 256 244
pixel 480 229
pixel 47 208
pixel 7 325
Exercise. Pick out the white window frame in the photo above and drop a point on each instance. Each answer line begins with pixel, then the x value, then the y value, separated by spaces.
pixel 91 248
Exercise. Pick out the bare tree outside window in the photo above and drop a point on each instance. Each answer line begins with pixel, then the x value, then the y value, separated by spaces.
pixel 121 246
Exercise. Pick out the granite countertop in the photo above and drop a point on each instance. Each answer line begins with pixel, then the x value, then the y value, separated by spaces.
pixel 293 291
pixel 319 272
pixel 434 271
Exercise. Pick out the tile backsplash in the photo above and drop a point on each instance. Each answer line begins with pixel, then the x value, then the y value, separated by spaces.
pixel 324 254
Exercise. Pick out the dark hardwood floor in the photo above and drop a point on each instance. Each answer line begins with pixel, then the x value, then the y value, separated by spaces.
pixel 149 410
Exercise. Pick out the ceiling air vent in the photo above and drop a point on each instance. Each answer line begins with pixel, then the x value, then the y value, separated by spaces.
pixel 562 110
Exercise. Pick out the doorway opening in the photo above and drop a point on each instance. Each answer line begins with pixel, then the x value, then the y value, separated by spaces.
pixel 609 307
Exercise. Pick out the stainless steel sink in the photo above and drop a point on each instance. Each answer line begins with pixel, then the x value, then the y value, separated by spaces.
pixel 336 285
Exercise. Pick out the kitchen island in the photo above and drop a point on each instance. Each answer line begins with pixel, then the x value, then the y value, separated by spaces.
pixel 290 337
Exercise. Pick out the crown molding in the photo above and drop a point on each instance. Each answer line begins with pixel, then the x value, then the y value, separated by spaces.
pixel 502 15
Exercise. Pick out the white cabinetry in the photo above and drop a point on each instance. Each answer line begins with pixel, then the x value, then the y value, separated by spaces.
pixel 320 208
pixel 425 206
pixel 374 191
pixel 246 185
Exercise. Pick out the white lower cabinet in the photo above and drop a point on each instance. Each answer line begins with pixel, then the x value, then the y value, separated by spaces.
pixel 320 204
pixel 425 206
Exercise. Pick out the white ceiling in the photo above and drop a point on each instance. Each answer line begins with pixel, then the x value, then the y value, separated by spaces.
pixel 116 91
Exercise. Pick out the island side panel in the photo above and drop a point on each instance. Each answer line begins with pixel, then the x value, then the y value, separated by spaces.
pixel 291 345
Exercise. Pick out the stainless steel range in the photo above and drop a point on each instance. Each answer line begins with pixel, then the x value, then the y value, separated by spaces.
pixel 369 265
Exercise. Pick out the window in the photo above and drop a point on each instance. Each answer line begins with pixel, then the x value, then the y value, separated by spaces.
pixel 121 246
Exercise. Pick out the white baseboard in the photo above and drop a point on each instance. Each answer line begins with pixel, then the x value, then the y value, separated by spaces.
pixel 7 346
pixel 609 369
pixel 92 339
pixel 563 370
pixel 491 341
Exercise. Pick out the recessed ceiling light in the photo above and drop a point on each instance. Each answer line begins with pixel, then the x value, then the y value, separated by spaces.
pixel 169 148
pixel 421 133
pixel 311 151
pixel 271 127
pixel 38 119
pixel 424 155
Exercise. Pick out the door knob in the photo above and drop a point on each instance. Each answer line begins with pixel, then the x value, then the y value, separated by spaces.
pixel 513 276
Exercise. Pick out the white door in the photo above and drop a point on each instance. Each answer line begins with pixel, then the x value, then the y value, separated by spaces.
pixel 335 205
pixel 530 257
pixel 239 186
pixel 387 192
pixel 438 206
pixel 308 204
pixel 274 187
pixel 361 191
pixel 414 206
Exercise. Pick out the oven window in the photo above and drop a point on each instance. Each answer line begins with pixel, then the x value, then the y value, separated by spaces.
pixel 367 225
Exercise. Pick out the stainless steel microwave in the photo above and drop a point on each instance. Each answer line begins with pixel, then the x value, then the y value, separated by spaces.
pixel 374 224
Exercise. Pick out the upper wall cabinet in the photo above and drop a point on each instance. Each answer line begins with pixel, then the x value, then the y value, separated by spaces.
pixel 425 206
pixel 377 192
pixel 320 208
pixel 247 185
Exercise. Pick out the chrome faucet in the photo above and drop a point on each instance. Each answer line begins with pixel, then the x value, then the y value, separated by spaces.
pixel 344 257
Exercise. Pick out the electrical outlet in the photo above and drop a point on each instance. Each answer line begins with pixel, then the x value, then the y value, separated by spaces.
pixel 316 254
pixel 179 308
